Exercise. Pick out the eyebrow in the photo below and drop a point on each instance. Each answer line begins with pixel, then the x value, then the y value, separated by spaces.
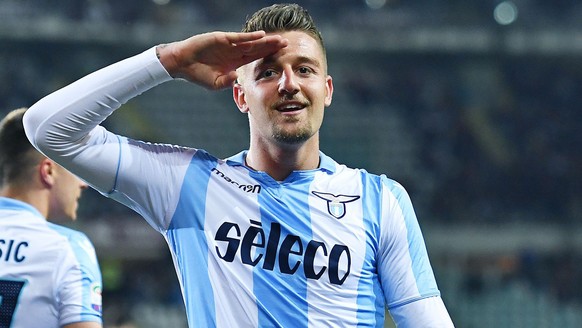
pixel 267 61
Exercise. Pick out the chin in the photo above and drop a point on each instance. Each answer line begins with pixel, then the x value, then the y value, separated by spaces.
pixel 292 138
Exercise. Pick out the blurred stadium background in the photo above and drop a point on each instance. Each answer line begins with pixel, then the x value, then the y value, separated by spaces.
pixel 474 106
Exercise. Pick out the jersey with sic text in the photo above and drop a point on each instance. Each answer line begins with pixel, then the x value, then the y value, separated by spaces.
pixel 49 274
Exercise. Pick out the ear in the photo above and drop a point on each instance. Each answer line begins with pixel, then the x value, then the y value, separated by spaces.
pixel 328 90
pixel 238 95
pixel 46 171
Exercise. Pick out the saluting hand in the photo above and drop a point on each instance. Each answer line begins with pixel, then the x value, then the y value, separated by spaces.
pixel 211 59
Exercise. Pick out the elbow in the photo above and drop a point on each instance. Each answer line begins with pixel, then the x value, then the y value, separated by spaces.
pixel 35 127
pixel 31 123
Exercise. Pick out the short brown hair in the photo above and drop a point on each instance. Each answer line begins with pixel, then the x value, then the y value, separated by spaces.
pixel 17 155
pixel 281 18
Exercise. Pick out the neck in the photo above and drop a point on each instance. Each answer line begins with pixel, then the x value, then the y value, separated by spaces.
pixel 279 161
pixel 34 197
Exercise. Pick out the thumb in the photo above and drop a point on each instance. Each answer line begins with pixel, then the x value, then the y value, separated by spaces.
pixel 226 80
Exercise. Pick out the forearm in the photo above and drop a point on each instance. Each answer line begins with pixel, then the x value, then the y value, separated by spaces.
pixel 85 103
pixel 63 125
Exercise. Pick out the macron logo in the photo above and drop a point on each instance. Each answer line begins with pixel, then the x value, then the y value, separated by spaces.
pixel 244 187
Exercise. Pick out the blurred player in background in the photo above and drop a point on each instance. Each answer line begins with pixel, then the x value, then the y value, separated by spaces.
pixel 279 235
pixel 49 275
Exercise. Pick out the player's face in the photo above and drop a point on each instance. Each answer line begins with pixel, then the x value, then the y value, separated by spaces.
pixel 285 94
pixel 66 194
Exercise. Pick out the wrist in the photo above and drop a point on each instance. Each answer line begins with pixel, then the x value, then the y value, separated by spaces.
pixel 166 58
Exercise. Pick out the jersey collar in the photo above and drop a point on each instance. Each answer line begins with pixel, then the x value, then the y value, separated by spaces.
pixel 14 204
pixel 326 163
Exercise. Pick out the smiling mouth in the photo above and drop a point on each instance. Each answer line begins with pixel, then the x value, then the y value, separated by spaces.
pixel 290 107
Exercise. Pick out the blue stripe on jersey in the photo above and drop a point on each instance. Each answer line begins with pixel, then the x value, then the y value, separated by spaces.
pixel 91 275
pixel 371 212
pixel 187 240
pixel 118 166
pixel 287 205
pixel 421 268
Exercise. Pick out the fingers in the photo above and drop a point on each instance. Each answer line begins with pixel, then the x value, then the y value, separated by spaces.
pixel 260 48
pixel 269 43
pixel 238 37
pixel 258 37
pixel 225 81
pixel 251 42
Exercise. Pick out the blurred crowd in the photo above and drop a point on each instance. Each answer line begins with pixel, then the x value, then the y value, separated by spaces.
pixel 499 137
pixel 378 13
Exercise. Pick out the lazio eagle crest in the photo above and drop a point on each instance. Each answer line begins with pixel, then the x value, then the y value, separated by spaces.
pixel 336 204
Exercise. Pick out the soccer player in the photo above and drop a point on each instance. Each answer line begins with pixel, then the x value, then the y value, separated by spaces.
pixel 279 235
pixel 49 275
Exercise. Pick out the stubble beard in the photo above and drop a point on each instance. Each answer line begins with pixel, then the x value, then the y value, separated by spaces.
pixel 300 135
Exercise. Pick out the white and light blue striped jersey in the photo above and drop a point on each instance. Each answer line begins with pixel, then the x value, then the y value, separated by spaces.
pixel 326 247
pixel 330 247
pixel 49 275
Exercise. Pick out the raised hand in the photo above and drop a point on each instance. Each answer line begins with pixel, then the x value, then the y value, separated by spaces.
pixel 211 59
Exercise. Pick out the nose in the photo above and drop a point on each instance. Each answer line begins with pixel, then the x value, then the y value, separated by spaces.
pixel 288 83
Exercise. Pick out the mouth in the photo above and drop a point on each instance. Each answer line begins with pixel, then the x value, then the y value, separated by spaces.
pixel 290 107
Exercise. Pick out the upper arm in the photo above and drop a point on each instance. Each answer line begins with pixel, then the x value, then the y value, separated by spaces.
pixel 149 179
pixel 403 264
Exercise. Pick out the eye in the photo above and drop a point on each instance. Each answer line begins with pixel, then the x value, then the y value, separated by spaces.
pixel 267 74
pixel 305 70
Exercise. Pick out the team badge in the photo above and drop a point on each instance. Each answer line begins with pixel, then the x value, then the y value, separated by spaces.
pixel 336 204
pixel 96 298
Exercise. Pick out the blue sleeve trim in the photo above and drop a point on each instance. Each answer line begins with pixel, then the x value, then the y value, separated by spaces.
pixel 413 299
pixel 118 167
